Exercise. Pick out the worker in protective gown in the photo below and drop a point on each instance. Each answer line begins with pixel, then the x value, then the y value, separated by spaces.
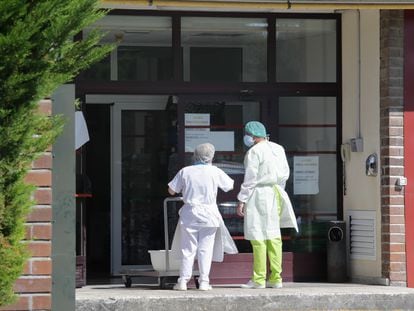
pixel 264 204
pixel 200 231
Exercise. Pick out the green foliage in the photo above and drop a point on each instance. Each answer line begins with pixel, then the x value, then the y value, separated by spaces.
pixel 38 53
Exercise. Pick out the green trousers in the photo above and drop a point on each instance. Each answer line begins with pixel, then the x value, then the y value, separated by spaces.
pixel 262 250
pixel 271 249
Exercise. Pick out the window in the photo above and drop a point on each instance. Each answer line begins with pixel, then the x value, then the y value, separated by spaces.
pixel 305 50
pixel 307 130
pixel 144 63
pixel 212 64
pixel 218 49
pixel 100 71
pixel 224 49
pixel 144 50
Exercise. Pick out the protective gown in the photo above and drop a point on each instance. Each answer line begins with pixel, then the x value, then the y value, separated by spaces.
pixel 267 171
pixel 200 207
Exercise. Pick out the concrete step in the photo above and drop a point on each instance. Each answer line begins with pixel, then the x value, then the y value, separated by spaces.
pixel 293 296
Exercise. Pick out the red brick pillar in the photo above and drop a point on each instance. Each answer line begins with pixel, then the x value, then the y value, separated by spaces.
pixel 392 147
pixel 35 284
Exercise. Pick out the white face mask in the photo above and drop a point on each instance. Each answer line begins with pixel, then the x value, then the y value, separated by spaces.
pixel 248 140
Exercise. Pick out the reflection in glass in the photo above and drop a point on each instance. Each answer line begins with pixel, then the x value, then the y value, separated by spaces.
pixel 305 50
pixel 224 49
pixel 144 63
pixel 228 116
pixel 225 116
pixel 212 63
pixel 144 46
pixel 144 179
pixel 307 128
pixel 305 139
pixel 313 212
pixel 307 110
pixel 307 124
pixel 322 205
pixel 100 71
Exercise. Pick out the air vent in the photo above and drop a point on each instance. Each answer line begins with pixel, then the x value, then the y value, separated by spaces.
pixel 362 240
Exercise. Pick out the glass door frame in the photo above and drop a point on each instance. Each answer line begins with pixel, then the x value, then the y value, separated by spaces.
pixel 150 102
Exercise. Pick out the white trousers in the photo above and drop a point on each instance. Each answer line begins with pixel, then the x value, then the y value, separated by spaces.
pixel 200 242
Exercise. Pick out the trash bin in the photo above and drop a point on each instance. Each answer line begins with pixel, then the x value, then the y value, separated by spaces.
pixel 336 252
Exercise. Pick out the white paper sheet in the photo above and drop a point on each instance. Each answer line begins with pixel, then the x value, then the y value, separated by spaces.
pixel 306 175
pixel 197 119
pixel 222 141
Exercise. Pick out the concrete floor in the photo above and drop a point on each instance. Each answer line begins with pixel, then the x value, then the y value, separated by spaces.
pixel 293 296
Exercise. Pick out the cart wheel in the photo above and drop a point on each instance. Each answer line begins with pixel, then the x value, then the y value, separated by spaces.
pixel 127 281
pixel 197 283
pixel 163 282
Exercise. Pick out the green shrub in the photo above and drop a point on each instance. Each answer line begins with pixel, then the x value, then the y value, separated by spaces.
pixel 38 54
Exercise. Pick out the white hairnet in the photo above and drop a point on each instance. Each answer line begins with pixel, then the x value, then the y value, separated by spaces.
pixel 204 153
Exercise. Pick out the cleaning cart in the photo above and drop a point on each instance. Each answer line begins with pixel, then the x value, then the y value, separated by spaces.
pixel 164 266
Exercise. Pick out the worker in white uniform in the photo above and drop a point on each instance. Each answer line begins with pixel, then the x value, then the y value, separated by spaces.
pixel 199 217
pixel 264 204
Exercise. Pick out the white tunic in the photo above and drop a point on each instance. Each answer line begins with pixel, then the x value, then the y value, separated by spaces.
pixel 267 171
pixel 199 185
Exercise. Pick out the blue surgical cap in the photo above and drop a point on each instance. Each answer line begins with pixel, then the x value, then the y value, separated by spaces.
pixel 255 128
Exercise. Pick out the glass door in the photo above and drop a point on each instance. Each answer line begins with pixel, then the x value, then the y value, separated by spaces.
pixel 140 150
pixel 307 128
pixel 220 120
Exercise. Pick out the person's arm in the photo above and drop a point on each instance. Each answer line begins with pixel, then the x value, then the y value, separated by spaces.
pixel 224 181
pixel 175 186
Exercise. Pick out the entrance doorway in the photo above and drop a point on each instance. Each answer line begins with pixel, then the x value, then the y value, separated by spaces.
pixel 152 137
pixel 127 162
pixel 226 68
pixel 141 146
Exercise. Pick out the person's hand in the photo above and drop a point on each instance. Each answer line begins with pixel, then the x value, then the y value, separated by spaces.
pixel 240 209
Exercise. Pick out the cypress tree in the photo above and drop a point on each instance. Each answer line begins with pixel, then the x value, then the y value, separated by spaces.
pixel 38 53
